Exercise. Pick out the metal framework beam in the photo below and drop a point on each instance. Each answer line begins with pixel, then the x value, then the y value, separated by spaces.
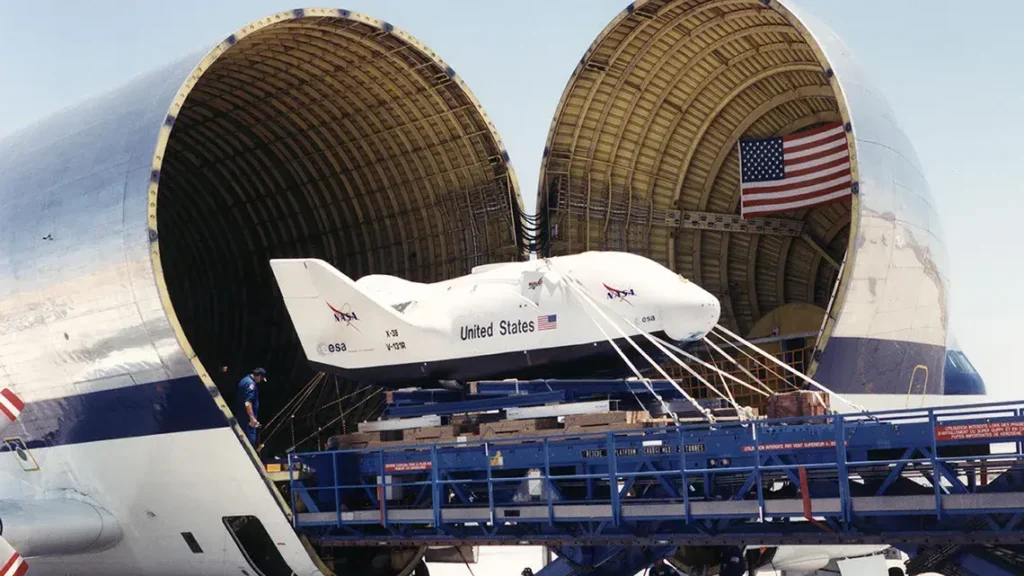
pixel 640 210
pixel 820 250
pixel 907 476
pixel 736 223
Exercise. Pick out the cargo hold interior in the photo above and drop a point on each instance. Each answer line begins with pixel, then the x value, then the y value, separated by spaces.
pixel 324 138
pixel 642 156
pixel 346 140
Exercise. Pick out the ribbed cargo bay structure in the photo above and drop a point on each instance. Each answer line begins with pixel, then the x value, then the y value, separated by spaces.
pixel 642 156
pixel 644 146
pixel 318 133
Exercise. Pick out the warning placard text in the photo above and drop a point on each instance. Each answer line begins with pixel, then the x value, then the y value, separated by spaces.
pixel 793 446
pixel 978 431
pixel 407 466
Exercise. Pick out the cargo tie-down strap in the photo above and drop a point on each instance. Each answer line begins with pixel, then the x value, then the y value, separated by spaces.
pixel 575 286
pixel 792 370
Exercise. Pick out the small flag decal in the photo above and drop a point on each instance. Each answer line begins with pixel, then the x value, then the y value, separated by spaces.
pixel 547 322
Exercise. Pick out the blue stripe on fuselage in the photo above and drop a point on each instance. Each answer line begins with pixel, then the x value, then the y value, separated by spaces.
pixel 876 366
pixel 179 405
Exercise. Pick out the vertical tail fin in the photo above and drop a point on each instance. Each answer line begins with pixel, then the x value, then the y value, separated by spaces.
pixel 337 323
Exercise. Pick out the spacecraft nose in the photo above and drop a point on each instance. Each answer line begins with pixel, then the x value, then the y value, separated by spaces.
pixel 691 314
pixel 712 307
pixel 707 311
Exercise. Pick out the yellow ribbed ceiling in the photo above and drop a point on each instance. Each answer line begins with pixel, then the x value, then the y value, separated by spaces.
pixel 324 134
pixel 642 151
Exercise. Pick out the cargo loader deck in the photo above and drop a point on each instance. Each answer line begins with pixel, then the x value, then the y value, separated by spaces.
pixel 645 488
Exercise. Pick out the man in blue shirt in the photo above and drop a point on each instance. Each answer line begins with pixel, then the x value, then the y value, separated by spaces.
pixel 248 399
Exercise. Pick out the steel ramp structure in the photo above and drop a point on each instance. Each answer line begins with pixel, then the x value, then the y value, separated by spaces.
pixel 924 480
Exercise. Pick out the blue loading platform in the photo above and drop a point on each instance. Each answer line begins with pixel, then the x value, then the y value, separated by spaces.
pixel 924 480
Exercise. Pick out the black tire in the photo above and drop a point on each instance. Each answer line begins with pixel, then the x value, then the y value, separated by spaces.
pixel 421 569
pixel 896 571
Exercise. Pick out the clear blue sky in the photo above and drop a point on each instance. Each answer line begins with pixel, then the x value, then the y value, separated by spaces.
pixel 953 76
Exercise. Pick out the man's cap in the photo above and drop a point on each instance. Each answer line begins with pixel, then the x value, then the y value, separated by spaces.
pixel 260 372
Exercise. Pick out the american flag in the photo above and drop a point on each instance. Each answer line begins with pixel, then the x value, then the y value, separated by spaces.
pixel 547 322
pixel 795 171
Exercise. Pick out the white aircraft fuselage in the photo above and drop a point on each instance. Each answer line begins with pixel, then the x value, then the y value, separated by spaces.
pixel 554 317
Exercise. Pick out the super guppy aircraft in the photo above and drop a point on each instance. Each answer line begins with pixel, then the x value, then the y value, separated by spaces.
pixel 137 230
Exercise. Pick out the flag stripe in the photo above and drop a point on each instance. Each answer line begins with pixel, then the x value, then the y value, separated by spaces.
pixel 798 138
pixel 809 192
pixel 795 171
pixel 805 143
pixel 816 201
pixel 841 157
pixel 816 183
pixel 823 149
pixel 547 322
pixel 805 179
pixel 13 398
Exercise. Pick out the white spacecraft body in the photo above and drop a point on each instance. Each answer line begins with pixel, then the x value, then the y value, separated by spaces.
pixel 554 315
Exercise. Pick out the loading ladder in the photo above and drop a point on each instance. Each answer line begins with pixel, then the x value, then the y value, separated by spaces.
pixel 638 494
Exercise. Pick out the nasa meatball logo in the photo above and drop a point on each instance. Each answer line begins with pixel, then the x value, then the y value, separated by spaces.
pixel 619 294
pixel 346 314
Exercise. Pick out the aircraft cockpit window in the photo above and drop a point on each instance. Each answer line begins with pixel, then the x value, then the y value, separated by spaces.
pixel 968 363
pixel 961 362
pixel 951 358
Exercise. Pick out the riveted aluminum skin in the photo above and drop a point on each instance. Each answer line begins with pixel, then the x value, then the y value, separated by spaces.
pixel 86 342
pixel 78 297
pixel 118 406
pixel 889 333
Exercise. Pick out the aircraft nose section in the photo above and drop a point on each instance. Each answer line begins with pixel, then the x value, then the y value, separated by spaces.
pixel 691 314
pixel 712 309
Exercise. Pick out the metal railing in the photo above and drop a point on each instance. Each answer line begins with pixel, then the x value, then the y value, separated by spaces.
pixel 678 476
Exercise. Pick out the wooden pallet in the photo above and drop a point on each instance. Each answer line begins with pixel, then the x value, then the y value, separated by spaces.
pixel 608 421
pixel 468 429
pixel 512 428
